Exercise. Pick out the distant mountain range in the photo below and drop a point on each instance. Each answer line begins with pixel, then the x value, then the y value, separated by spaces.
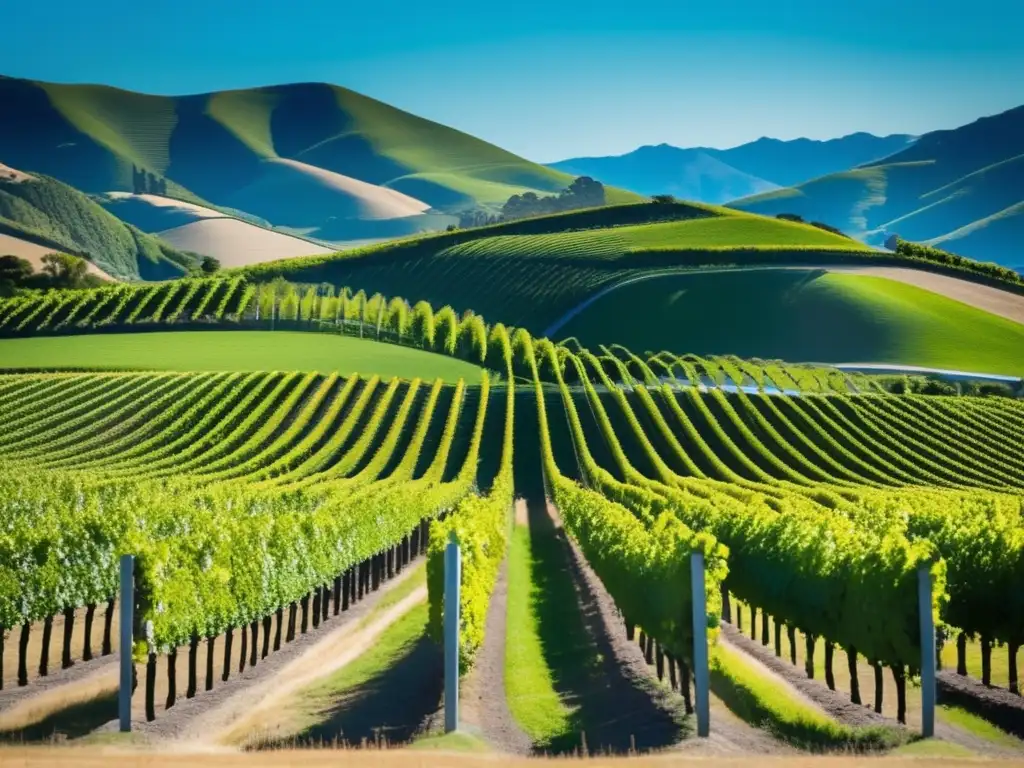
pixel 308 159
pixel 961 190
pixel 720 175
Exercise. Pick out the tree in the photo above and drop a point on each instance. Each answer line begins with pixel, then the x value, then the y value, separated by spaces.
pixel 663 199
pixel 14 268
pixel 790 217
pixel 209 265
pixel 14 273
pixel 585 192
pixel 64 270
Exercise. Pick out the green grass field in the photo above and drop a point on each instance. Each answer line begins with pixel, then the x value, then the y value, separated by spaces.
pixel 233 351
pixel 803 315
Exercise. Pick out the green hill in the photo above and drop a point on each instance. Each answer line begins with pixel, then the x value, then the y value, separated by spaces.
pixel 43 210
pixel 958 181
pixel 807 315
pixel 267 151
pixel 529 272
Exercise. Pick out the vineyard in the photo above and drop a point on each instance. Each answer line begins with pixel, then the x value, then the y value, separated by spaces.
pixel 261 504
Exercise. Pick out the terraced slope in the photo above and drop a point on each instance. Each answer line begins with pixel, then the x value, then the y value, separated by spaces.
pixel 245 493
pixel 801 490
pixel 960 189
pixel 314 157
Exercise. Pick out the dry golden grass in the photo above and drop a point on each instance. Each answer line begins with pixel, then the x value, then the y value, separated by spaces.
pixel 111 757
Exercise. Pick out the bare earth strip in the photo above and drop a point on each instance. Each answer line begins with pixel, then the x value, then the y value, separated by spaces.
pixel 998 302
pixel 994 300
pixel 837 703
pixel 483 704
pixel 237 243
pixel 159 201
pixel 833 703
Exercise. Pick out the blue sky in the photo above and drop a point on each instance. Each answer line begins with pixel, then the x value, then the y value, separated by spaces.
pixel 562 78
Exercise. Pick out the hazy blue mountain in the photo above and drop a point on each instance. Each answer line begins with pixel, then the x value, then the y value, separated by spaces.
pixel 720 175
pixel 960 189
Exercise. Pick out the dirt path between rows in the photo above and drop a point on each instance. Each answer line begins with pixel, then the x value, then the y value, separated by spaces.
pixel 639 708
pixel 204 722
pixel 484 706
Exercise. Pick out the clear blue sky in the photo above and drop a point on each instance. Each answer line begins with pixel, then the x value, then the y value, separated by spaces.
pixel 562 78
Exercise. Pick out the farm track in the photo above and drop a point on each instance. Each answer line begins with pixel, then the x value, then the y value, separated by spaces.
pixel 482 695
pixel 994 300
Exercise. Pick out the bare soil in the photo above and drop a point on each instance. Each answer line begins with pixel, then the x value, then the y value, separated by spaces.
pixel 483 705
pixel 833 701
pixel 998 705
pixel 994 300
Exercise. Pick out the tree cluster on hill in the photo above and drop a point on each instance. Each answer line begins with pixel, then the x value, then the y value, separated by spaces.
pixel 584 192
pixel 60 270
pixel 928 253
pixel 144 182
pixel 819 224
pixel 475 218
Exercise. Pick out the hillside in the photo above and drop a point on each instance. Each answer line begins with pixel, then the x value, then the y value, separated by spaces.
pixel 812 315
pixel 528 272
pixel 720 175
pixel 960 189
pixel 319 159
pixel 44 211
pixel 233 238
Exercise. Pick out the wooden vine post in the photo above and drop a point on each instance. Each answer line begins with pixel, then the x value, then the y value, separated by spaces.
pixel 127 666
pixel 452 579
pixel 924 606
pixel 700 645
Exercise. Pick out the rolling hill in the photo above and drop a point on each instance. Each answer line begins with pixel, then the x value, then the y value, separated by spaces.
pixel 959 189
pixel 43 211
pixel 811 315
pixel 315 158
pixel 720 175
pixel 529 272
pixel 688 276
pixel 233 238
